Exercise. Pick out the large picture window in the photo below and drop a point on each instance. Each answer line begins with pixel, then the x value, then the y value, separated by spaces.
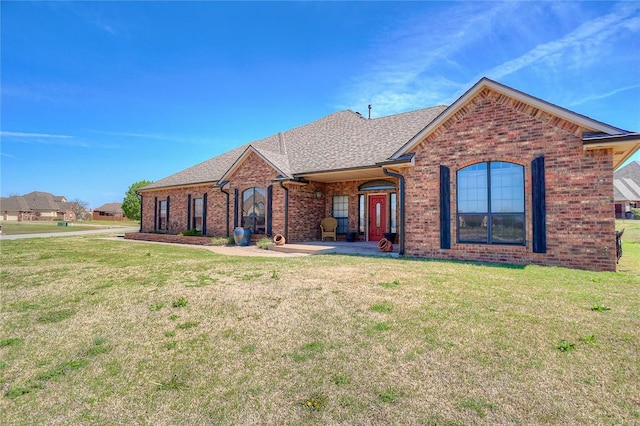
pixel 254 202
pixel 341 212
pixel 491 203
pixel 197 214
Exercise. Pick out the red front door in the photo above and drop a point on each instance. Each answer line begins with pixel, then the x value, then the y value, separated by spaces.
pixel 377 217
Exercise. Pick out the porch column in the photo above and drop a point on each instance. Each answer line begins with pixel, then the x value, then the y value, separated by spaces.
pixel 401 197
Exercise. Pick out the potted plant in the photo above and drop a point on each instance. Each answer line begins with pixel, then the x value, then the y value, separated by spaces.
pixel 391 236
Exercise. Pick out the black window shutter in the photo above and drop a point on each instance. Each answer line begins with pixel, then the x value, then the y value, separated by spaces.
pixel 204 214
pixel 445 208
pixel 188 212
pixel 538 199
pixel 167 225
pixel 269 209
pixel 235 208
pixel 155 214
pixel 141 211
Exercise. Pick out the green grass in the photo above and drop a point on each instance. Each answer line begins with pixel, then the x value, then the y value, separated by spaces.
pixel 96 331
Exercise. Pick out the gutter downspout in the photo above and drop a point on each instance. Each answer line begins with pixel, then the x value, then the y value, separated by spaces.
pixel 402 218
pixel 227 194
pixel 286 210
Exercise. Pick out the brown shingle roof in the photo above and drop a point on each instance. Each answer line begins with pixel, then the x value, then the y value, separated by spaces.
pixel 341 140
pixel 115 208
pixel 41 201
pixel 17 203
pixel 626 182
pixel 34 201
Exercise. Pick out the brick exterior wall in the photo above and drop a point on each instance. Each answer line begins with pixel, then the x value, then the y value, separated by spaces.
pixel 493 127
pixel 178 208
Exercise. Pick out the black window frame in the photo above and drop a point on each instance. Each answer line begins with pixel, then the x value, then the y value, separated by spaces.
pixel 194 224
pixel 343 221
pixel 250 218
pixel 489 218
pixel 162 219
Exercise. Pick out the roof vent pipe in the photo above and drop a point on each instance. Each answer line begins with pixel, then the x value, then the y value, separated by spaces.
pixel 369 111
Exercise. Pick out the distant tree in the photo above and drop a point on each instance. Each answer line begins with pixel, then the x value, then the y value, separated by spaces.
pixel 131 202
pixel 78 207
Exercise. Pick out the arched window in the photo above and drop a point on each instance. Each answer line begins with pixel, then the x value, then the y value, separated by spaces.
pixel 254 202
pixel 491 203
pixel 377 185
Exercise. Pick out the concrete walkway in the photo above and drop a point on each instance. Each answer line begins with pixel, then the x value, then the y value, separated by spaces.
pixel 114 230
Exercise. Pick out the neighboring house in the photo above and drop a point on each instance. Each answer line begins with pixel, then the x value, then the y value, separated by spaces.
pixel 626 189
pixel 497 176
pixel 35 206
pixel 15 208
pixel 109 211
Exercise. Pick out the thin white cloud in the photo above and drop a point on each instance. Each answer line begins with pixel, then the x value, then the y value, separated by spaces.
pixel 42 139
pixel 417 67
pixel 6 134
pixel 92 14
pixel 578 49
pixel 136 135
pixel 598 96
pixel 402 74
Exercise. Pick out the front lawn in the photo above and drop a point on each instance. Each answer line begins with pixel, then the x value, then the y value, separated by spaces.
pixel 98 331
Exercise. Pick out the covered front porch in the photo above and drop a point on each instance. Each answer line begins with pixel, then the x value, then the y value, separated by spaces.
pixel 358 248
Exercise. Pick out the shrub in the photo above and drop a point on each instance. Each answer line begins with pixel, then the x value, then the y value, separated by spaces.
pixel 263 243
pixel 191 233
pixel 222 241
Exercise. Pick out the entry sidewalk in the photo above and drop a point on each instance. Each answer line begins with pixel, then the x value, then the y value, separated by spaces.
pixel 115 230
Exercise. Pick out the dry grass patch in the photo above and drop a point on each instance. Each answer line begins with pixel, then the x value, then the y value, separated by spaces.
pixel 148 333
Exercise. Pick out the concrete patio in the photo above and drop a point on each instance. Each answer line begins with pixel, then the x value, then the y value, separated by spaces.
pixel 361 248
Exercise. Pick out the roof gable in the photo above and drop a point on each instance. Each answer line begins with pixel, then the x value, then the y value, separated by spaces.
pixel 277 161
pixel 540 106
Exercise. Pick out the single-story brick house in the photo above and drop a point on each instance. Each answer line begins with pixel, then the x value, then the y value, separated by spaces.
pixel 36 205
pixel 626 189
pixel 109 211
pixel 497 176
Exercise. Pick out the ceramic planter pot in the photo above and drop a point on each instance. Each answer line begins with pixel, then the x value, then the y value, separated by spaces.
pixel 242 236
pixel 385 245
pixel 279 239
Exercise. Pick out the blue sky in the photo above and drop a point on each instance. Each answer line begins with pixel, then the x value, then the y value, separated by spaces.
pixel 98 95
